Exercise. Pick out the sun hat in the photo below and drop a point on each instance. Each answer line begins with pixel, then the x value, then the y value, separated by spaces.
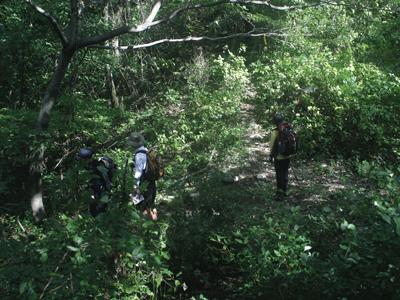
pixel 136 140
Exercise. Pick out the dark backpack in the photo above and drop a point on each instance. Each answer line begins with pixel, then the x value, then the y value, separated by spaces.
pixel 109 164
pixel 287 142
pixel 154 165
pixel 100 182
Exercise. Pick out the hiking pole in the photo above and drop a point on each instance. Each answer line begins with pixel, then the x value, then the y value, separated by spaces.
pixel 295 176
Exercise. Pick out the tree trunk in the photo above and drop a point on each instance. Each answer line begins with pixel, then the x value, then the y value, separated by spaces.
pixel 42 124
pixel 114 18
pixel 114 98
pixel 53 89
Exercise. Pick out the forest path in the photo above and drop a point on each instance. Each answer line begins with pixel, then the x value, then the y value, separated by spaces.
pixel 212 209
pixel 310 181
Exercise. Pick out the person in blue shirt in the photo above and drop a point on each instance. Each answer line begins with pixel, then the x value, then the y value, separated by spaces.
pixel 145 189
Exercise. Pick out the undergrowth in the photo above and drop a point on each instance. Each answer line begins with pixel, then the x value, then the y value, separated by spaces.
pixel 234 242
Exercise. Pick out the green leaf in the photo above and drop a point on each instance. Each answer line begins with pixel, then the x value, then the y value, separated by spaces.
pixel 397 222
pixel 385 217
pixel 72 248
pixel 327 209
pixel 23 287
pixel 78 239
pixel 138 253
pixel 43 257
pixel 344 225
pixel 351 227
pixel 158 280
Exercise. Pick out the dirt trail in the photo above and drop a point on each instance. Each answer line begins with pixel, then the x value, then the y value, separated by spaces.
pixel 243 200
pixel 309 180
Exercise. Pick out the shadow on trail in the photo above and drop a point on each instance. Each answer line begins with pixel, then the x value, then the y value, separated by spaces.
pixel 232 241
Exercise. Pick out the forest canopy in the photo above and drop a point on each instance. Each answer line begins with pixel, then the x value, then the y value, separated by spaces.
pixel 193 77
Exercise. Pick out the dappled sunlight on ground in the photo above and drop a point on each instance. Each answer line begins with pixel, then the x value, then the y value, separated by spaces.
pixel 310 181
pixel 235 199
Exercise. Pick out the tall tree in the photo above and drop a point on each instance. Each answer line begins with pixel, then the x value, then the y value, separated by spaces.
pixel 72 39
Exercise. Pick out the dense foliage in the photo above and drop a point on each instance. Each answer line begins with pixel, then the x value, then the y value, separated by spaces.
pixel 333 69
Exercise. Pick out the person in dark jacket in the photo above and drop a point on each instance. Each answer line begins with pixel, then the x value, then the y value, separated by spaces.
pixel 281 162
pixel 102 170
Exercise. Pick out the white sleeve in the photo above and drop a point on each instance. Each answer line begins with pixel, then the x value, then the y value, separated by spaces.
pixel 140 166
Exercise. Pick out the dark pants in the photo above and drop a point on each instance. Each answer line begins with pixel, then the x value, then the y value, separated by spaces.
pixel 95 208
pixel 99 190
pixel 149 195
pixel 282 174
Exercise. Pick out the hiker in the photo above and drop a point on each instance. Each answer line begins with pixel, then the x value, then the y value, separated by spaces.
pixel 282 145
pixel 102 170
pixel 144 191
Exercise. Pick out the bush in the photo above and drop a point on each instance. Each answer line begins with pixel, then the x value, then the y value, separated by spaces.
pixel 116 255
pixel 333 101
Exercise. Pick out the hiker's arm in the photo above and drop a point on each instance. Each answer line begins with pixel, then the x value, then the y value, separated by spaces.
pixel 104 173
pixel 272 144
pixel 140 165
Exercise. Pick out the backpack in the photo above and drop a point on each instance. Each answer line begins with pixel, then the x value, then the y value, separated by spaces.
pixel 154 165
pixel 100 182
pixel 287 141
pixel 109 164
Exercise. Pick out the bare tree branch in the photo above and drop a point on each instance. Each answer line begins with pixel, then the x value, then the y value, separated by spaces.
pixel 53 21
pixel 150 23
pixel 239 2
pixel 123 29
pixel 190 39
pixel 153 13
pixel 384 7
pixel 277 7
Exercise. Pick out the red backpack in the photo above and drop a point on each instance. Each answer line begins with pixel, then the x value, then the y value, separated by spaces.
pixel 287 142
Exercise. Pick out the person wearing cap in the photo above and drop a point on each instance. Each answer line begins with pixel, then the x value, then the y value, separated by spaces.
pixel 281 162
pixel 144 189
pixel 102 170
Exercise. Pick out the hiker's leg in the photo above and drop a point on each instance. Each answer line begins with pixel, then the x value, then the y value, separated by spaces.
pixel 93 201
pixel 150 193
pixel 277 173
pixel 285 174
pixel 280 174
pixel 93 208
pixel 149 196
pixel 279 180
pixel 97 190
pixel 101 207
